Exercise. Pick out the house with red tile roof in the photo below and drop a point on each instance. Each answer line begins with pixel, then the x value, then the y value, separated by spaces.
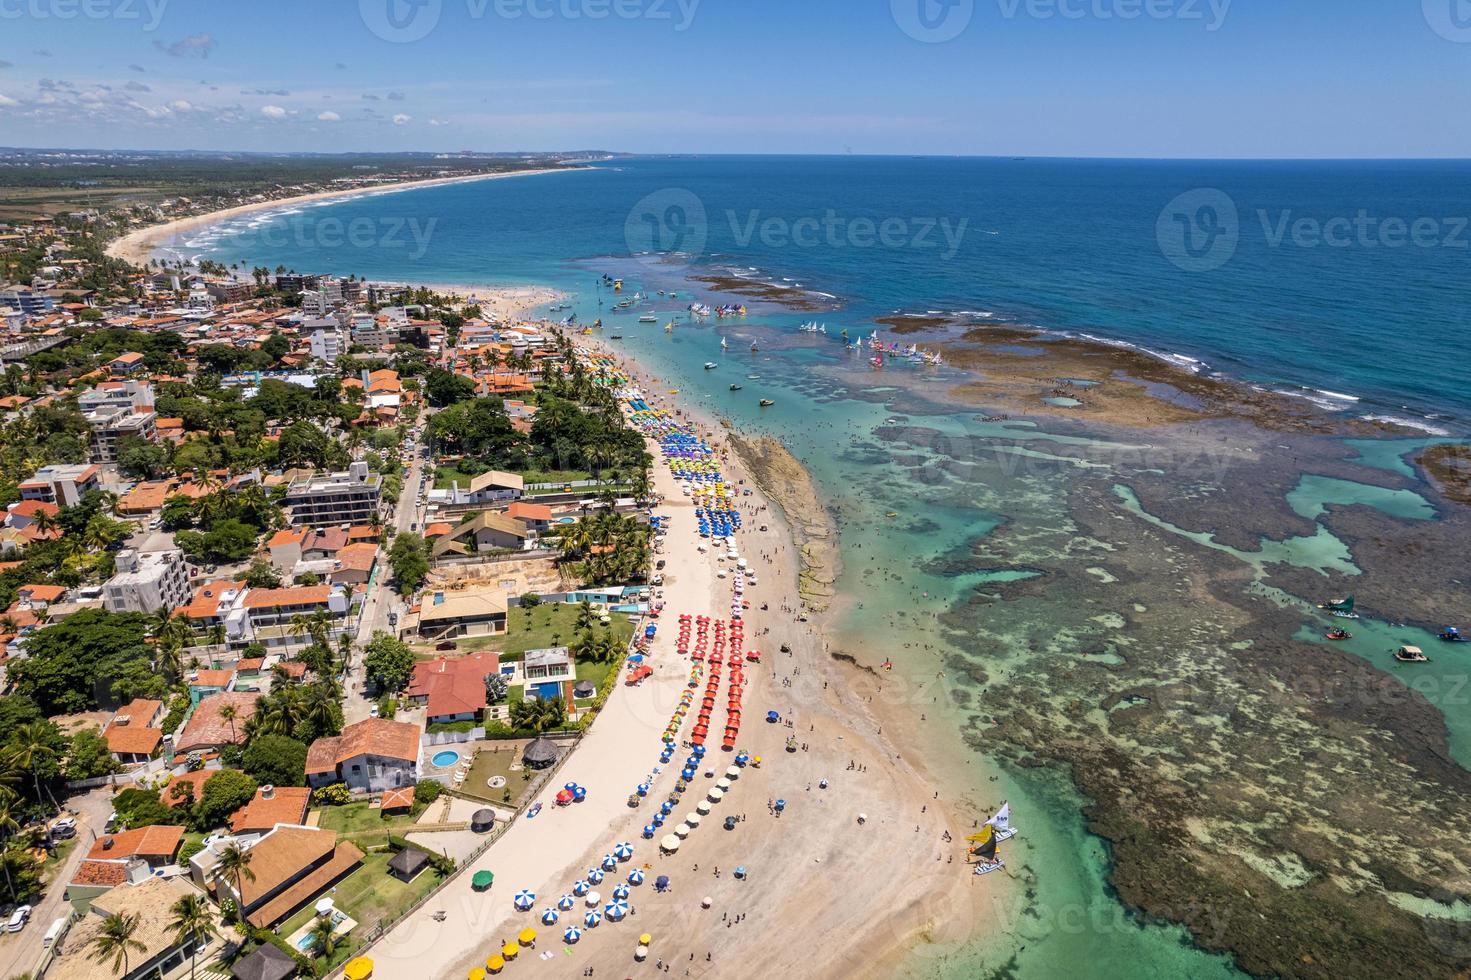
pixel 271 805
pixel 373 755
pixel 132 734
pixel 208 729
pixel 453 689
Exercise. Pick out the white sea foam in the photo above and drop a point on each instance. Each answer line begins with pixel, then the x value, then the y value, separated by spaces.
pixel 1417 424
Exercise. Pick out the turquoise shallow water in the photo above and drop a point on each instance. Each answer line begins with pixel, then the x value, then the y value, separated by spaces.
pixel 961 482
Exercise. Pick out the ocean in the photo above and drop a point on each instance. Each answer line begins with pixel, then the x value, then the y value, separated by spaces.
pixel 969 545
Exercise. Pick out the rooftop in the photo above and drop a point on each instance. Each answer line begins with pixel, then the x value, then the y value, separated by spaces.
pixel 371 736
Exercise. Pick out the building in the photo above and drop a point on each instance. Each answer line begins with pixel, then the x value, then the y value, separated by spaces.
pixel 326 339
pixel 209 729
pixel 147 581
pixel 125 364
pixel 63 484
pixel 453 690
pixel 131 393
pixel 130 855
pixel 371 756
pixel 290 867
pixel 270 806
pixel 133 735
pixel 486 531
pixel 336 498
pixel 270 612
pixel 490 487
pixel 112 426
pixel 479 611
pixel 149 901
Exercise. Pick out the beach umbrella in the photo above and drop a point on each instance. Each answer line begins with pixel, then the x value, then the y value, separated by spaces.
pixel 661 883
pixel 621 892
pixel 595 876
pixel 645 939
pixel 643 789
pixel 649 831
pixel 670 842
pixel 524 900
pixel 566 902
pixel 509 951
pixel 477 974
pixel 616 910
pixel 741 759
pixel 658 820
pixel 609 862
pixel 570 787
pixel 723 785
pixel 706 902
pixel 580 889
pixel 701 808
pixel 772 717
pixel 496 963
pixel 682 831
pixel 549 917
pixel 482 880
pixel 716 794
pixel 571 935
pixel 593 898
pixel 636 876
pixel 358 969
pixel 623 851
pixel 740 871
pixel 527 937
pixel 734 772
pixel 592 919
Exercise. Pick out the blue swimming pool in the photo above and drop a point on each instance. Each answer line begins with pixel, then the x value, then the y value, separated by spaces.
pixel 446 758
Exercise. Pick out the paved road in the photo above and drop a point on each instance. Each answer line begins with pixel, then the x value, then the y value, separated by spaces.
pixel 382 599
pixel 20 951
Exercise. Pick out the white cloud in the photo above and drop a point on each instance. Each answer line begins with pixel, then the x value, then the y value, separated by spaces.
pixel 273 112
pixel 401 119
pixel 181 105
pixel 328 117
pixel 7 100
pixel 438 122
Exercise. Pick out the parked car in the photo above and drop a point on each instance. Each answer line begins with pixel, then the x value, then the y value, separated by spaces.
pixel 64 829
pixel 18 918
pixel 373 711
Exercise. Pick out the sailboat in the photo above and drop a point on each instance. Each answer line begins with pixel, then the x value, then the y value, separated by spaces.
pixel 669 327
pixel 987 858
pixel 1001 823
pixel 1342 608
pixel 724 344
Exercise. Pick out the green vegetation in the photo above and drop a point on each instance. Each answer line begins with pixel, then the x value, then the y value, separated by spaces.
pixel 359 818
pixel 276 760
pixel 409 559
pixel 370 895
pixel 81 663
pixel 388 663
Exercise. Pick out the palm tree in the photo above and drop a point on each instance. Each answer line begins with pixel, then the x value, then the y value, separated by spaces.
pixel 323 935
pixel 192 923
pixel 115 939
pixel 229 713
pixel 234 864
pixel 31 747
pixel 217 635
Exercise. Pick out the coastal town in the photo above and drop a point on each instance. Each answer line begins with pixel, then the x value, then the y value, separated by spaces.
pixel 337 615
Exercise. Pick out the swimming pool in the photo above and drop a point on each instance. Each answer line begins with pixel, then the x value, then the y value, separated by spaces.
pixel 446 758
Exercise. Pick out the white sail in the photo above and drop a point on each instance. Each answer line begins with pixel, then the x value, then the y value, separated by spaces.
pixel 1002 819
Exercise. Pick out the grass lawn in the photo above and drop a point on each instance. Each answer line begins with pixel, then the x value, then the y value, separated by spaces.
pixel 551 624
pixel 369 894
pixel 490 763
pixel 595 672
pixel 357 818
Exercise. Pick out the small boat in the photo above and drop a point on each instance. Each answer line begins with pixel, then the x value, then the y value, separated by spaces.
pixel 711 365
pixel 724 344
pixel 1342 608
pixel 754 348
pixel 669 327
pixel 892 514
pixel 1338 634
pixel 735 387
pixel 533 811
pixel 1411 655
pixel 767 403
pixel 648 318
pixel 984 849
pixel 615 336
pixel 1452 634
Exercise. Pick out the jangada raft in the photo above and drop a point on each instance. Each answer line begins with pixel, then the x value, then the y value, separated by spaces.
pixel 1342 608
pixel 984 843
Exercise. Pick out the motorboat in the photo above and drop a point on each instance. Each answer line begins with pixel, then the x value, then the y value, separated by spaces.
pixel 1338 634
pixel 648 318
pixel 1411 655
pixel 735 387
pixel 711 365
pixel 767 403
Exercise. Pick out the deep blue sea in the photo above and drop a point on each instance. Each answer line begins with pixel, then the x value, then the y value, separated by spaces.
pixel 1348 278
pixel 1341 282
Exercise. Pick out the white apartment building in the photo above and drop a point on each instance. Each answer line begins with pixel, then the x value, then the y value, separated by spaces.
pixel 148 581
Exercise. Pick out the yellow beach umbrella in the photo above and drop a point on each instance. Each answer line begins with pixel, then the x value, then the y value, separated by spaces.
pixel 527 937
pixel 477 974
pixel 509 951
pixel 495 964
pixel 645 939
pixel 360 968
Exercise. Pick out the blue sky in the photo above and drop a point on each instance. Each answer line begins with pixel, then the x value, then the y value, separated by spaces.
pixel 1178 78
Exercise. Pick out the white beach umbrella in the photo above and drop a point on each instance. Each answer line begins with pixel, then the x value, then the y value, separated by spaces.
pixel 734 772
pixel 723 785
pixel 593 898
pixel 702 807
pixel 681 832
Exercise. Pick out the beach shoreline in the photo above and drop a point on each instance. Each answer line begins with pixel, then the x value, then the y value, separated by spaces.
pixel 137 246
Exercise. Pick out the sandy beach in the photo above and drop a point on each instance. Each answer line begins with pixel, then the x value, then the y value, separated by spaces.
pixel 872 893
pixel 505 302
pixel 138 246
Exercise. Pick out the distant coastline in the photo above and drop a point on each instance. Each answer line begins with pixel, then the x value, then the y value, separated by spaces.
pixel 139 245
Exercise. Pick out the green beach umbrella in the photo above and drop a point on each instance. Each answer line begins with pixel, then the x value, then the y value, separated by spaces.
pixel 482 880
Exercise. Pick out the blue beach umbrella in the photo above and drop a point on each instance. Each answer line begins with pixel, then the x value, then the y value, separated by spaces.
pixel 549 917
pixel 595 876
pixel 581 888
pixel 609 862
pixel 592 919
pixel 636 876
pixel 571 935
pixel 621 892
pixel 566 902
pixel 649 831
pixel 524 900
pixel 661 883
pixel 623 851
pixel 657 820
pixel 615 910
